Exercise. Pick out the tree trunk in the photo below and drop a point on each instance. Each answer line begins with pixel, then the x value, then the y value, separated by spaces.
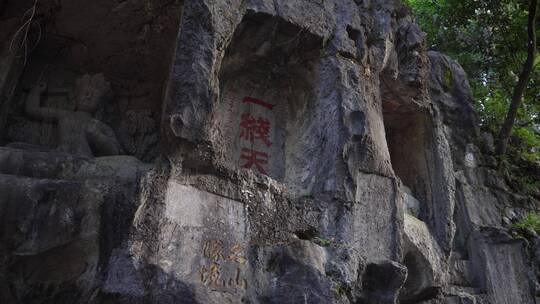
pixel 521 86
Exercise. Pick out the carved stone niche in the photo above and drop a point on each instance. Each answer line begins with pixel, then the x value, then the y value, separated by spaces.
pixel 77 130
pixel 270 117
pixel 417 147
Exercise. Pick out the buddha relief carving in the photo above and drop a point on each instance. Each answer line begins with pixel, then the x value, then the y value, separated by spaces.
pixel 78 131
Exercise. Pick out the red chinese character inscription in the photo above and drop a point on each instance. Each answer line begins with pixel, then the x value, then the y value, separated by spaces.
pixel 258 102
pixel 254 158
pixel 255 129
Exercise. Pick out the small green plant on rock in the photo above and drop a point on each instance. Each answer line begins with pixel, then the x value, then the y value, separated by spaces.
pixel 340 290
pixel 322 241
pixel 308 196
pixel 448 79
pixel 529 222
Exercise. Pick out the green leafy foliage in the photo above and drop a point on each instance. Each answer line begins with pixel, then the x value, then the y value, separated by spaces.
pixel 341 290
pixel 448 79
pixel 529 222
pixel 322 241
pixel 520 175
pixel 489 39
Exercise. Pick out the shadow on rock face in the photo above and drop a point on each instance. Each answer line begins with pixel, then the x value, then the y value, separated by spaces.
pixel 297 282
pixel 419 283
pixel 160 287
pixel 382 282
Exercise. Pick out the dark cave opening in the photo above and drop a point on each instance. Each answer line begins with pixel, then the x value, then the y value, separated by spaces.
pixel 409 144
pixel 414 275
pixel 417 286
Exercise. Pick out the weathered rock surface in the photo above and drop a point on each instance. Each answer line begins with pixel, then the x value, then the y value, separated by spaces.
pixel 310 152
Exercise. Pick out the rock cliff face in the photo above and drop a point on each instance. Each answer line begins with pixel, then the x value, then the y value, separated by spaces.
pixel 272 151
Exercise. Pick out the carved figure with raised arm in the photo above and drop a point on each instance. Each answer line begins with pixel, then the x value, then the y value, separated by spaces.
pixel 78 131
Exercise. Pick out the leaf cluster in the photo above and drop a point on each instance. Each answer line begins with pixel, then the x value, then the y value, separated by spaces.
pixel 530 222
pixel 489 39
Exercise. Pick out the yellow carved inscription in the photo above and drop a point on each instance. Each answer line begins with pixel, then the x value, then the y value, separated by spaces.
pixel 213 250
pixel 212 275
pixel 236 254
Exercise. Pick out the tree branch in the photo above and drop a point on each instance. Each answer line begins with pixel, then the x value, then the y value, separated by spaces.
pixel 523 79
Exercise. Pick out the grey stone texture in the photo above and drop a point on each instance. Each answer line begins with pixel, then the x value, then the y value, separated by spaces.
pixel 308 152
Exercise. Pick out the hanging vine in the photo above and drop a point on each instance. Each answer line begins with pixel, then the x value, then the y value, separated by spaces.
pixel 20 41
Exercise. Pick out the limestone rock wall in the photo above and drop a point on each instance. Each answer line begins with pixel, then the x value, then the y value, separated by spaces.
pixel 309 152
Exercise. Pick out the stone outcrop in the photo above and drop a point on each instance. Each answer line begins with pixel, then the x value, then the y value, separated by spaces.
pixel 309 152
